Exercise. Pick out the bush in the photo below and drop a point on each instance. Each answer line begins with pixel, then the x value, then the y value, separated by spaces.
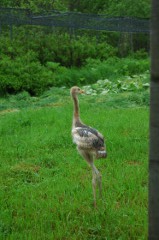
pixel 71 51
pixel 24 73
pixel 28 74
pixel 56 47
pixel 34 64
pixel 140 54
pixel 95 70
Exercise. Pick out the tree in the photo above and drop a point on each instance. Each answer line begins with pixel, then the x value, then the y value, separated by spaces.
pixel 154 127
pixel 122 8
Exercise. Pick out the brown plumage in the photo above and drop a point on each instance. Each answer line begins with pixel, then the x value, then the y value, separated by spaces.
pixel 90 142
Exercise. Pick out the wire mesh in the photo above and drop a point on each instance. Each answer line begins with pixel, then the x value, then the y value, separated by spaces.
pixel 13 16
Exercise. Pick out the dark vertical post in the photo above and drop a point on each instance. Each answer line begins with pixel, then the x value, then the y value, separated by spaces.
pixel 131 43
pixel 11 31
pixel 154 126
pixel 11 26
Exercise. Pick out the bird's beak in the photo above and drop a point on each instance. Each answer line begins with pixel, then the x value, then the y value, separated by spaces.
pixel 82 91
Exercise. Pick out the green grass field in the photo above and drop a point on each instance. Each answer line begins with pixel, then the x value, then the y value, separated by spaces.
pixel 46 190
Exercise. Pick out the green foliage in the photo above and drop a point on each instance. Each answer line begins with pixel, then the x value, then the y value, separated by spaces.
pixel 131 66
pixel 118 8
pixel 65 48
pixel 95 70
pixel 26 73
pixel 38 57
pixel 69 51
pixel 136 83
pixel 23 73
pixel 34 5
pixel 62 48
pixel 117 94
pixel 140 54
pixel 122 8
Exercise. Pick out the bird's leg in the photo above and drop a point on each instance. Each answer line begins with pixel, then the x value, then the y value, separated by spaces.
pixel 96 176
pixel 94 189
pixel 97 179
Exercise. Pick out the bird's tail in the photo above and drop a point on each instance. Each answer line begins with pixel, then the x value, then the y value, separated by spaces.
pixel 101 153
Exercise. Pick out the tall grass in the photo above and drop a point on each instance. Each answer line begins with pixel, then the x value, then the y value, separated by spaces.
pixel 45 185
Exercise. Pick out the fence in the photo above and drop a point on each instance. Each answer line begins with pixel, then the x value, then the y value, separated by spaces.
pixel 71 20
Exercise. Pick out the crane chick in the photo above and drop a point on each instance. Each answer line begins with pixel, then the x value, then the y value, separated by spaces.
pixel 90 142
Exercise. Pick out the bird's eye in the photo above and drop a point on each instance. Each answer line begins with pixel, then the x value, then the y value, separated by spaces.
pixel 78 89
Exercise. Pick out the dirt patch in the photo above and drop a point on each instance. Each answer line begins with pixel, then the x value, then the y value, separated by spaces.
pixel 134 163
pixel 9 111
pixel 25 167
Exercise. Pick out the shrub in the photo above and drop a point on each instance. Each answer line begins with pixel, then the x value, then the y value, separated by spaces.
pixel 71 51
pixel 55 59
pixel 24 73
pixel 95 70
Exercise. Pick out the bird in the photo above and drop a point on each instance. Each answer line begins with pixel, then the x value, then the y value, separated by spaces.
pixel 89 141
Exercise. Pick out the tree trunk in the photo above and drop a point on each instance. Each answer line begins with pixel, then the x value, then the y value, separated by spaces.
pixel 154 127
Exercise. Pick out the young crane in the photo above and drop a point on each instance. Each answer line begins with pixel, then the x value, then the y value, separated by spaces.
pixel 90 142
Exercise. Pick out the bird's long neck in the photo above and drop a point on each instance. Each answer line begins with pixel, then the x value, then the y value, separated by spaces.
pixel 76 114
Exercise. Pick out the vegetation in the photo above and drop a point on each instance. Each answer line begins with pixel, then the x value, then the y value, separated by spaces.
pixel 26 73
pixel 39 57
pixel 121 8
pixel 46 186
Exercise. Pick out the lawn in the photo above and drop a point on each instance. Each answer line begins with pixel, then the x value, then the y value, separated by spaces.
pixel 46 190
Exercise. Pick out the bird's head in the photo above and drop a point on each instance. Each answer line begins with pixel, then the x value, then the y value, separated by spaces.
pixel 76 90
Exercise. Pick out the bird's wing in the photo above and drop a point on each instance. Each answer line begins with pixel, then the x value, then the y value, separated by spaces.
pixel 87 137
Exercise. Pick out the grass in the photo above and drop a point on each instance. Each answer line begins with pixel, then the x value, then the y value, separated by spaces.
pixel 46 190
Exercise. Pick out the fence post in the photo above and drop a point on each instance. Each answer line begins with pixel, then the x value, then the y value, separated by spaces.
pixel 11 31
pixel 154 127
